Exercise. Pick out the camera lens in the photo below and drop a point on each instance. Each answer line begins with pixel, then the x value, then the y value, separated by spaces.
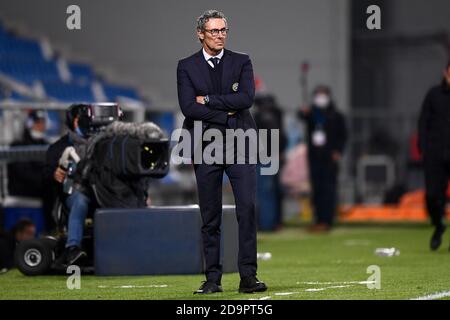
pixel 152 156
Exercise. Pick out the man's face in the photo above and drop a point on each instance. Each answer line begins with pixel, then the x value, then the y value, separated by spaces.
pixel 210 42
pixel 39 125
pixel 75 122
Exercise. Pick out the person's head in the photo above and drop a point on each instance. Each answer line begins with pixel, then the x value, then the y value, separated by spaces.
pixel 322 96
pixel 73 116
pixel 447 73
pixel 212 31
pixel 36 124
pixel 24 230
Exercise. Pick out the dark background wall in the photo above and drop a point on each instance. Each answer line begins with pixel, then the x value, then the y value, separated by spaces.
pixel 392 67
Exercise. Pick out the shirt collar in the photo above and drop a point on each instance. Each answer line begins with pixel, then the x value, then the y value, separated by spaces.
pixel 207 56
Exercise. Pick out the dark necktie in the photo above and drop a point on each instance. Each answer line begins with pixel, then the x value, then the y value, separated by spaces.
pixel 215 61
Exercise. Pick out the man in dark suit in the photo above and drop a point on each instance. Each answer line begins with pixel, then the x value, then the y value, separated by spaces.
pixel 216 87
pixel 434 143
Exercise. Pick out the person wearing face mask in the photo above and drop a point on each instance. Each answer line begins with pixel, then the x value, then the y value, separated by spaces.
pixel 434 144
pixel 78 202
pixel 326 139
pixel 25 178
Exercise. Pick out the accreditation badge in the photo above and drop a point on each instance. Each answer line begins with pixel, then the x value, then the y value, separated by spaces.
pixel 319 138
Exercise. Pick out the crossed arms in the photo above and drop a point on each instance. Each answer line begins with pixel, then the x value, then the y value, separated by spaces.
pixel 219 106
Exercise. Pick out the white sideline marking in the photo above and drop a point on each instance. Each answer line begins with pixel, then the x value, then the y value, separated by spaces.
pixel 322 289
pixel 343 282
pixel 263 298
pixel 335 285
pixel 314 289
pixel 285 293
pixel 434 296
pixel 131 286
pixel 149 286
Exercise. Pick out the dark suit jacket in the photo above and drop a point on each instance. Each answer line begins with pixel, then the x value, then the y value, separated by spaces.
pixel 193 79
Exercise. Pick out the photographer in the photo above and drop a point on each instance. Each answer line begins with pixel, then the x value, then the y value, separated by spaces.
pixel 77 202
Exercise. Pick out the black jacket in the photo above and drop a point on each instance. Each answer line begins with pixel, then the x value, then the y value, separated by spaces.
pixel 269 116
pixel 434 123
pixel 236 95
pixel 7 247
pixel 335 131
pixel 54 152
pixel 25 178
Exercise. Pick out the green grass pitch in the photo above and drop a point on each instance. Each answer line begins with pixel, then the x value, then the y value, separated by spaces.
pixel 303 266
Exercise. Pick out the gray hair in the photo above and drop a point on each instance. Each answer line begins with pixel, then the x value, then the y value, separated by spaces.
pixel 209 14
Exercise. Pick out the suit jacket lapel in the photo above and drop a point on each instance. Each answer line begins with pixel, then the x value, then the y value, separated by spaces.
pixel 203 70
pixel 226 70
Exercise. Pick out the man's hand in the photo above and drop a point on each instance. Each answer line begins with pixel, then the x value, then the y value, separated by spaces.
pixel 200 99
pixel 59 175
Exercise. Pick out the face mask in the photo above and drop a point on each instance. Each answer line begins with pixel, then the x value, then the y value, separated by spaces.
pixel 321 101
pixel 37 135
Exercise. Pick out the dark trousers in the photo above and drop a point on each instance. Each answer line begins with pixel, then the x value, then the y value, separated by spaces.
pixel 323 175
pixel 437 174
pixel 209 185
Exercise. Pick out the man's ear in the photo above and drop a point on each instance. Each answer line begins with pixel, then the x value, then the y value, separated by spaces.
pixel 200 35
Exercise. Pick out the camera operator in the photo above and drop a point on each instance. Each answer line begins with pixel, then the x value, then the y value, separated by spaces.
pixel 77 202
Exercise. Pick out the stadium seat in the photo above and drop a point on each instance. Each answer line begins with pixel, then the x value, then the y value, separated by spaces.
pixel 113 92
pixel 22 60
pixel 68 91
pixel 28 72
pixel 81 72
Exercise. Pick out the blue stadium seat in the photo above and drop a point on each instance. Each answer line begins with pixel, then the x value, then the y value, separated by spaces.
pixel 69 92
pixel 22 60
pixel 81 72
pixel 113 92
pixel 165 120
pixel 20 49
pixel 28 72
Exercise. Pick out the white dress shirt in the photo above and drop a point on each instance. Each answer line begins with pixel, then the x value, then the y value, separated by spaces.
pixel 207 57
